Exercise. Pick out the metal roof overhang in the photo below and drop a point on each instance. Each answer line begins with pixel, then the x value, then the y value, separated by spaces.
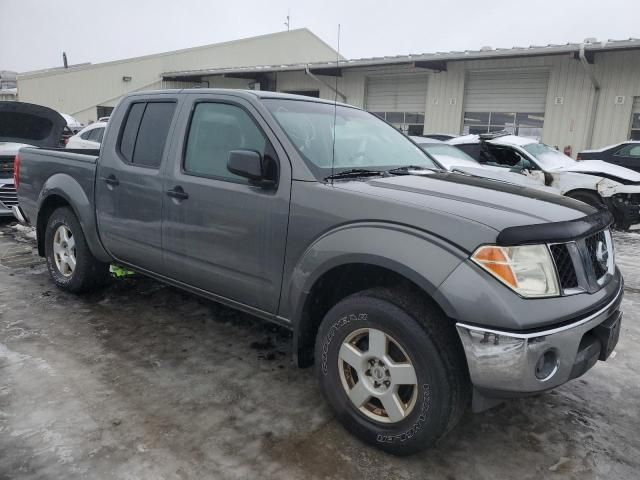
pixel 432 61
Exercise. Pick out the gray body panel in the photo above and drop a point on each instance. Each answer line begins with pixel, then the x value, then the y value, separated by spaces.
pixel 263 249
pixel 130 213
pixel 228 238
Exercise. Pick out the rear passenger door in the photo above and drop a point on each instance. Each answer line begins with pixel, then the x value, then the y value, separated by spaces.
pixel 129 181
pixel 220 233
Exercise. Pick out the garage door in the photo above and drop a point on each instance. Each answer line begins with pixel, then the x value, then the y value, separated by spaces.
pixel 399 99
pixel 506 100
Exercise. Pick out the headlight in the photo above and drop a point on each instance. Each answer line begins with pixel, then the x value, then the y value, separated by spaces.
pixel 527 269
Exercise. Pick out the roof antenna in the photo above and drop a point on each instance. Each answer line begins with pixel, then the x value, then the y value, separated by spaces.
pixel 335 108
pixel 288 22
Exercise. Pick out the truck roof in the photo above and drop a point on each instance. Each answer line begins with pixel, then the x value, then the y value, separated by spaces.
pixel 242 93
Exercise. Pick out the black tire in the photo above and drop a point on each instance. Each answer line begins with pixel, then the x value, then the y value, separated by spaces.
pixel 89 273
pixel 432 345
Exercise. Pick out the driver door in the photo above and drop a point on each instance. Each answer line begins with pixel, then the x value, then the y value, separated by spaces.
pixel 219 233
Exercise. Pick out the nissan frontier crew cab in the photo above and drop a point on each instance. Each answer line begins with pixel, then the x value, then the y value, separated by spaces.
pixel 416 292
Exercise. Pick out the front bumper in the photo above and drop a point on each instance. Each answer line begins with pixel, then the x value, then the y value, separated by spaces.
pixel 8 198
pixel 504 364
pixel 625 208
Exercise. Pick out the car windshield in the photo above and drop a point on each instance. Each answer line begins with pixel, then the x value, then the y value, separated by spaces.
pixel 449 156
pixel 549 158
pixel 362 140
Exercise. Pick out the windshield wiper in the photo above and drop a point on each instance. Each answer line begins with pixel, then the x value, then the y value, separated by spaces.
pixel 354 172
pixel 409 168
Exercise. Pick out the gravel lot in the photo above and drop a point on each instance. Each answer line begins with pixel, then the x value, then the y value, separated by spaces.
pixel 142 381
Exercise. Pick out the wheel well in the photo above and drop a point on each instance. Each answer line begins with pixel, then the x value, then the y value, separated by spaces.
pixel 578 191
pixel 50 204
pixel 335 285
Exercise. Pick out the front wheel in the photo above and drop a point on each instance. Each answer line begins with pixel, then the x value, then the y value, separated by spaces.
pixel 392 369
pixel 71 264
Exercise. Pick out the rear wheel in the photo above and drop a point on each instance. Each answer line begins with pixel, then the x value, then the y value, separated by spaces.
pixel 71 264
pixel 392 369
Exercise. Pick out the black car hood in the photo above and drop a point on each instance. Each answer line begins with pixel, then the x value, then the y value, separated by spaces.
pixel 30 124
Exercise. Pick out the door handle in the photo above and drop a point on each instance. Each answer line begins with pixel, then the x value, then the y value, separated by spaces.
pixel 178 193
pixel 112 181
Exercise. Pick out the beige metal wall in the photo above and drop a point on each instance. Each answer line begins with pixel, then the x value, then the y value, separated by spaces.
pixel 569 97
pixel 78 91
pixel 619 75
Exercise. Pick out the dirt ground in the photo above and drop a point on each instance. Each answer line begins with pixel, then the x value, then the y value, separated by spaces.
pixel 142 381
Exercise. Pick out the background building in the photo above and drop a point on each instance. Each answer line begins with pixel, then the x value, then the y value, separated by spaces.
pixel 89 92
pixel 572 96
pixel 8 84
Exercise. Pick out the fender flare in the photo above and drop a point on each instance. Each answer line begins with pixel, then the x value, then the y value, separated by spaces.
pixel 423 258
pixel 64 186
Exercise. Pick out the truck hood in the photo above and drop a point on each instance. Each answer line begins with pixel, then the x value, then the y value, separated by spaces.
pixel 501 175
pixel 494 204
pixel 602 169
pixel 30 124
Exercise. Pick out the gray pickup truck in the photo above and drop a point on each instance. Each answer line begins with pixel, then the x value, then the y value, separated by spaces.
pixel 416 292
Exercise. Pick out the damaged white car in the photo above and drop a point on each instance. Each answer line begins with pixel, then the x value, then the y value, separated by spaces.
pixel 594 182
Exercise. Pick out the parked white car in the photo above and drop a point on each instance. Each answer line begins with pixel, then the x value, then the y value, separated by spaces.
pixel 73 124
pixel 455 160
pixel 89 137
pixel 594 182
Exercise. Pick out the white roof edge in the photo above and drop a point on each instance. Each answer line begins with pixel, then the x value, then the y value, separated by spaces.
pixel 88 66
pixel 610 45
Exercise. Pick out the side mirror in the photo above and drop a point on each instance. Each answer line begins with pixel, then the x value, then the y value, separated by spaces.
pixel 251 165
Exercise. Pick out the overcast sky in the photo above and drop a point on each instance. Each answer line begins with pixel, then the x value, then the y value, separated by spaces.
pixel 34 33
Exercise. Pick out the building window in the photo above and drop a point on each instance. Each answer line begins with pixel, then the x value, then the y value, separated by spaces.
pixel 306 93
pixel 409 123
pixel 634 132
pixel 523 124
pixel 103 111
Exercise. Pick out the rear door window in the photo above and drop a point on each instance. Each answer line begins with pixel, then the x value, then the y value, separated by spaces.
pixel 145 132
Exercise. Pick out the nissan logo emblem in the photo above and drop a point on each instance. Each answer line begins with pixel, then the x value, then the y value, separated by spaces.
pixel 602 254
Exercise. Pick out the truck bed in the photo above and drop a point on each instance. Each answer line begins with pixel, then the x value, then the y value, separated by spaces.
pixel 43 169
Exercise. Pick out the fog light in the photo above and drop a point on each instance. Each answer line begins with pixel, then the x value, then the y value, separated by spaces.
pixel 547 365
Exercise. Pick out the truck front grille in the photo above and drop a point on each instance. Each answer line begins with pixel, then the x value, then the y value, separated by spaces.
pixel 6 166
pixel 564 266
pixel 8 196
pixel 584 265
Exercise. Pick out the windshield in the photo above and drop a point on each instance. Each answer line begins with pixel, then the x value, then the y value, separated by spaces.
pixel 362 140
pixel 548 157
pixel 449 156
